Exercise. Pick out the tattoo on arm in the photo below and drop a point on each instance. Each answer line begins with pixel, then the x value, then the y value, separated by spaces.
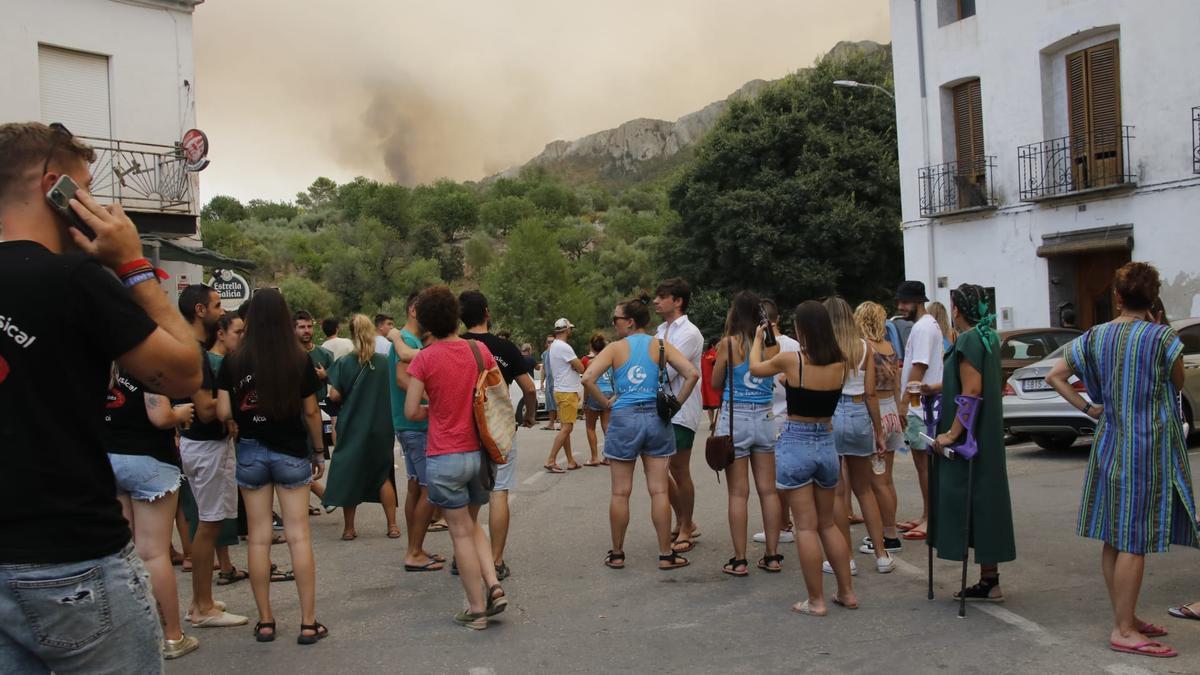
pixel 151 401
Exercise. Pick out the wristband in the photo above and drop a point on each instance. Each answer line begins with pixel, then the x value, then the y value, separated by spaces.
pixel 138 278
pixel 129 267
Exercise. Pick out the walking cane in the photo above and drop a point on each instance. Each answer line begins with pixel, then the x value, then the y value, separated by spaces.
pixel 968 410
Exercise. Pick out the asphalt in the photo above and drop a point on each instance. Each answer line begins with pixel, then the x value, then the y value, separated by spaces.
pixel 569 613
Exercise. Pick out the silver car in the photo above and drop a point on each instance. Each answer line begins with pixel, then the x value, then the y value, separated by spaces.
pixel 1032 407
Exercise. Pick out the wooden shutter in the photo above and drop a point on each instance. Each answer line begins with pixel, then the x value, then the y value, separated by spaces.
pixel 1094 115
pixel 968 134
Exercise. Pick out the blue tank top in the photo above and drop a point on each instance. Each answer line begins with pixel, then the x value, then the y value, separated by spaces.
pixel 749 389
pixel 605 382
pixel 637 380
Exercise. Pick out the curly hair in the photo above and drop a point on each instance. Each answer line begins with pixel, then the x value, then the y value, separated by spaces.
pixel 437 311
pixel 1137 284
pixel 870 317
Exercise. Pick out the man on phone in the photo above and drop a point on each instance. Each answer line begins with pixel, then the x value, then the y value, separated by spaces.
pixel 66 558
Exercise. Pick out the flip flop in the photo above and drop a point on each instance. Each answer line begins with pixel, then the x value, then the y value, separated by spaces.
pixel 803 608
pixel 437 527
pixel 314 511
pixel 686 544
pixel 731 567
pixel 605 462
pixel 427 567
pixel 553 468
pixel 1147 648
pixel 1184 612
pixel 572 468
pixel 907 525
pixel 349 536
pixel 615 560
pixel 913 535
pixel 1150 630
pixel 592 463
pixel 393 533
pixel 838 601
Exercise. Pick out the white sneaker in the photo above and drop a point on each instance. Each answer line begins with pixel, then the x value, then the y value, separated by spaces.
pixel 828 569
pixel 785 537
pixel 885 565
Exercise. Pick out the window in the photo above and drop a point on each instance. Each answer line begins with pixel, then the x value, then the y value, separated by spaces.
pixel 74 90
pixel 971 174
pixel 1190 337
pixel 1094 115
pixel 966 8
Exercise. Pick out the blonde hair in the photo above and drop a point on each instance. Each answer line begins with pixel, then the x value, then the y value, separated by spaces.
pixel 938 311
pixel 846 332
pixel 870 317
pixel 362 332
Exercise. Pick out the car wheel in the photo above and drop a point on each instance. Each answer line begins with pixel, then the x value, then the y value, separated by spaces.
pixel 1048 442
pixel 521 411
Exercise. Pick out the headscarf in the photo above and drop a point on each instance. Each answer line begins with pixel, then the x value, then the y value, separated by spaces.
pixel 971 302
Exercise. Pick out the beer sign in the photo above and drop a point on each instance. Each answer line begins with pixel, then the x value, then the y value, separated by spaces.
pixel 232 288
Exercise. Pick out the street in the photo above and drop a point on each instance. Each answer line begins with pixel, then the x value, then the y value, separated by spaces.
pixel 569 613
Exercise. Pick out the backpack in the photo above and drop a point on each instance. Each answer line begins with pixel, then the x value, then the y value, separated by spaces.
pixel 493 410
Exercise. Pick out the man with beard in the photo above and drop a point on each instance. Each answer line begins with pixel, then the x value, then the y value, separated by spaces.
pixel 321 359
pixel 209 464
pixel 922 373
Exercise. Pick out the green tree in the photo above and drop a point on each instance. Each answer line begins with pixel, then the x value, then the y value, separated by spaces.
pixel 796 194
pixel 555 199
pixel 500 215
pixel 449 206
pixel 223 207
pixel 480 251
pixel 302 293
pixel 320 193
pixel 264 210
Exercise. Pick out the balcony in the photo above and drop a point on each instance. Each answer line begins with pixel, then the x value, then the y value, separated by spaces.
pixel 1196 140
pixel 1078 165
pixel 957 187
pixel 141 176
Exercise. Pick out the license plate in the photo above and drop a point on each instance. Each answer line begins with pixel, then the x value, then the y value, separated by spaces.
pixel 1036 384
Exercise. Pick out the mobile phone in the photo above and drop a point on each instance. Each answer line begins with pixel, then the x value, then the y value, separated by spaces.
pixel 59 197
pixel 769 333
pixel 948 453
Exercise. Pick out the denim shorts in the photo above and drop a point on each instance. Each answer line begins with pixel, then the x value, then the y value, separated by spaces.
pixel 507 473
pixel 413 445
pixel 594 405
pixel 144 478
pixel 753 427
pixel 853 432
pixel 804 455
pixel 259 466
pixel 91 616
pixel 638 430
pixel 455 481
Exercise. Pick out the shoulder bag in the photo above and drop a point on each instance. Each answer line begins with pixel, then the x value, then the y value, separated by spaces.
pixel 493 410
pixel 665 400
pixel 719 450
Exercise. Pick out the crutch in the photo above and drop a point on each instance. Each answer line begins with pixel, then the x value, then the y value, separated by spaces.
pixel 930 430
pixel 968 410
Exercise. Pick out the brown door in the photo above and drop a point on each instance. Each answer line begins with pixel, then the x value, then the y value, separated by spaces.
pixel 1094 115
pixel 1094 286
pixel 968 132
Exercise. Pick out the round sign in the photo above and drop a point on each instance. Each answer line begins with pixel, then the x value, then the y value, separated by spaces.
pixel 231 287
pixel 195 150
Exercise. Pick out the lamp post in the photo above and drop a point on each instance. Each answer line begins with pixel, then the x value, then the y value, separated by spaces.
pixel 851 84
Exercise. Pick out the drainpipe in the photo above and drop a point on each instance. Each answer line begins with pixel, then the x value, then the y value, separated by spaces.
pixel 932 285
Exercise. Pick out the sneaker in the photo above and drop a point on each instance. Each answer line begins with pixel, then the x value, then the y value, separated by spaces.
pixel 173 649
pixel 785 537
pixel 885 565
pixel 453 567
pixel 889 544
pixel 828 569
pixel 276 521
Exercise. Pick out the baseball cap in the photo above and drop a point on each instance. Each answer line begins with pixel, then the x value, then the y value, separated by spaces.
pixel 562 324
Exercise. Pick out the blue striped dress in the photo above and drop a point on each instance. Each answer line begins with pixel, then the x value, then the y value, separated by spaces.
pixel 1137 495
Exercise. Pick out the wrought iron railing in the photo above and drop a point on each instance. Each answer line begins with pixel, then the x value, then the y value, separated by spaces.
pixel 1063 166
pixel 1196 140
pixel 955 186
pixel 141 176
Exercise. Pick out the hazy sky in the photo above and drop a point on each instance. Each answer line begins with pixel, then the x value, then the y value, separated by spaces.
pixel 411 91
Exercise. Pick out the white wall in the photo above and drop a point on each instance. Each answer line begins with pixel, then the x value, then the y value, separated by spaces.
pixel 1015 48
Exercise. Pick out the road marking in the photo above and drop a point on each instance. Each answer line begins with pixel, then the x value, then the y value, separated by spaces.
pixel 534 478
pixel 481 671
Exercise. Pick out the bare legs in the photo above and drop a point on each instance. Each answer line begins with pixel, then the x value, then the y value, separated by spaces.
pixel 202 568
pixel 387 499
pixel 660 507
pixel 885 495
pixel 473 553
pixel 682 492
pixel 293 504
pixel 418 512
pixel 498 525
pixel 859 471
pixel 921 462
pixel 151 523
pixel 1123 576
pixel 562 441
pixel 590 418
pixel 737 481
pixel 812 513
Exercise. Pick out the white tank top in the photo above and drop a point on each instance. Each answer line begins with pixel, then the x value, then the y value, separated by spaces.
pixel 856 382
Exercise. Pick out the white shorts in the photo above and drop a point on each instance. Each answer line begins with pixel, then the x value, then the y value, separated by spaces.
pixel 210 467
pixel 889 414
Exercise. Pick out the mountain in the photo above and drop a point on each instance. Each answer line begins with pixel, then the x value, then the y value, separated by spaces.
pixel 644 149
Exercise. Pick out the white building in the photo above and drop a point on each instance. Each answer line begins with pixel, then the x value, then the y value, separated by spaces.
pixel 1044 143
pixel 120 73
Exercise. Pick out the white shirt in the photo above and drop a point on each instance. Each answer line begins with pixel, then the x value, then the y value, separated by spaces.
pixel 779 402
pixel 382 345
pixel 338 346
pixel 685 337
pixel 566 380
pixel 924 346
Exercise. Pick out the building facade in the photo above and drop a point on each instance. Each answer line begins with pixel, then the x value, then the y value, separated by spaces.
pixel 1043 144
pixel 121 74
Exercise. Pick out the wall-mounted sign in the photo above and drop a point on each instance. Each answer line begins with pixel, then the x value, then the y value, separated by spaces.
pixel 195 150
pixel 232 288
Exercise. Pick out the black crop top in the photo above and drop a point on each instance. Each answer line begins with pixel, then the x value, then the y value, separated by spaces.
pixel 803 402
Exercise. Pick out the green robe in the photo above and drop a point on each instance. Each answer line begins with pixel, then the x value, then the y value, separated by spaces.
pixel 363 458
pixel 991 507
pixel 324 358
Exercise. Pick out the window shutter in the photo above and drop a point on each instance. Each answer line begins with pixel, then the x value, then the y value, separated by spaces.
pixel 1104 111
pixel 968 133
pixel 74 90
pixel 1077 116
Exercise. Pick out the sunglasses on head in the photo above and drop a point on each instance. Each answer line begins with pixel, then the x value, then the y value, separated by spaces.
pixel 61 133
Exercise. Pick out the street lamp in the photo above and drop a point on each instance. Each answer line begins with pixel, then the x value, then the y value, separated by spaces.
pixel 852 84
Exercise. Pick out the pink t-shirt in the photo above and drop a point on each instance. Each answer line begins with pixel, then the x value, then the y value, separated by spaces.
pixel 449 373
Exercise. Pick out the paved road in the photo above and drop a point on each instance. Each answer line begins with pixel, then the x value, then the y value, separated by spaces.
pixel 571 614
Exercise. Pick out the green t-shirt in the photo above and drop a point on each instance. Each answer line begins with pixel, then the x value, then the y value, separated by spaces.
pixel 399 421
pixel 324 358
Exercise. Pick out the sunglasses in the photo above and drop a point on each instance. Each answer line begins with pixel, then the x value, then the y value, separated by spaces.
pixel 61 134
pixel 615 319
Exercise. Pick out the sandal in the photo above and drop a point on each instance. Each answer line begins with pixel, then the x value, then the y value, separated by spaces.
pixel 473 621
pixel 764 563
pixel 349 535
pixel 315 511
pixel 838 601
pixel 1184 612
pixel 982 591
pixel 554 468
pixel 496 605
pixel 393 532
pixel 437 526
pixel 615 560
pixel 731 567
pixel 320 632
pixel 260 636
pixel 1152 631
pixel 1148 648
pixel 233 576
pixel 278 575
pixel 674 561
pixel 805 609
pixel 683 545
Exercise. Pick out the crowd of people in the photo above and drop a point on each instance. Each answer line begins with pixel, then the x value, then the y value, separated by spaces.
pixel 219 415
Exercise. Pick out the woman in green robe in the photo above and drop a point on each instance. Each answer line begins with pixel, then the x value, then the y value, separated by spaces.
pixel 973 369
pixel 362 467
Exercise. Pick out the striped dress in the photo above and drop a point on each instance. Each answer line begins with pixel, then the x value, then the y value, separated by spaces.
pixel 1137 496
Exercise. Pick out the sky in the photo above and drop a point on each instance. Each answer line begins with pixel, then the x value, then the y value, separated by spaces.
pixel 413 91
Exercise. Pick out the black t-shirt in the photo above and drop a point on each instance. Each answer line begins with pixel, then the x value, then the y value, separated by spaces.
pixel 127 427
pixel 508 357
pixel 287 435
pixel 63 320
pixel 206 431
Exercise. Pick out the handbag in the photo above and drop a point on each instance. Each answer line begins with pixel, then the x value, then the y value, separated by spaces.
pixel 664 400
pixel 718 450
pixel 493 410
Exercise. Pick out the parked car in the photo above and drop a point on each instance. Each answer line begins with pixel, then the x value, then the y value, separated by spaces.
pixel 1032 407
pixel 1024 347
pixel 518 401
